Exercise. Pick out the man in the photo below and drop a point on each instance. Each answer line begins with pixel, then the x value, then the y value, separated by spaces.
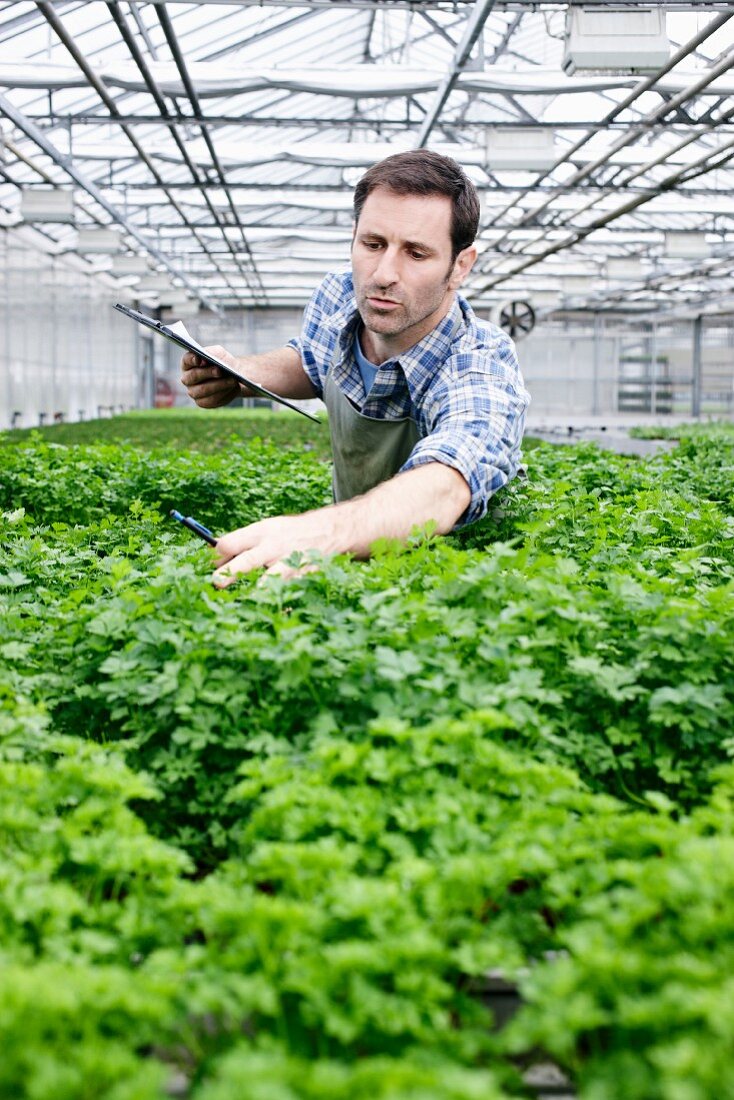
pixel 426 403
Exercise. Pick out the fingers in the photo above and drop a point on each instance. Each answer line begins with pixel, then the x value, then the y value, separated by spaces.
pixel 199 372
pixel 207 385
pixel 235 543
pixel 243 550
pixel 194 369
pixel 288 572
pixel 191 359
pixel 243 563
pixel 282 545
pixel 211 392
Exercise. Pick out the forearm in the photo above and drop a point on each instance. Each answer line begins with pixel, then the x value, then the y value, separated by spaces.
pixel 433 493
pixel 280 371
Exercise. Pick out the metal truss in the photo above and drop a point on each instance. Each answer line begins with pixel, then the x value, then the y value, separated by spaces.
pixel 132 117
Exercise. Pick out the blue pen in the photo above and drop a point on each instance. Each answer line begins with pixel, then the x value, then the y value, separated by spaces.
pixel 198 528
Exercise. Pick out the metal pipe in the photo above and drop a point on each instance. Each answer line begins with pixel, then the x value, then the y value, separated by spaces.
pixel 65 162
pixel 86 119
pixel 667 184
pixel 114 10
pixel 473 29
pixel 194 101
pixel 47 10
pixel 696 386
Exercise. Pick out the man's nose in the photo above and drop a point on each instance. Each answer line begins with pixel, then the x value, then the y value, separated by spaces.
pixel 386 272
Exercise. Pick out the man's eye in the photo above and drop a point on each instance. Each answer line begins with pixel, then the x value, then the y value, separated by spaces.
pixel 418 255
pixel 373 245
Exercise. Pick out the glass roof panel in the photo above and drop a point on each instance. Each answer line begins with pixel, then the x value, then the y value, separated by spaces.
pixel 197 128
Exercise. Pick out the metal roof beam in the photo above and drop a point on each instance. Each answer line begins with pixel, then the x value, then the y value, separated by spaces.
pixel 452 5
pixel 298 121
pixel 631 133
pixel 115 12
pixel 194 100
pixel 691 171
pixel 259 36
pixel 20 22
pixel 474 27
pixel 67 164
pixel 629 174
pixel 48 11
pixel 135 12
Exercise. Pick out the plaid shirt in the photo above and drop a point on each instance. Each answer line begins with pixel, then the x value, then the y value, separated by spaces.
pixel 461 383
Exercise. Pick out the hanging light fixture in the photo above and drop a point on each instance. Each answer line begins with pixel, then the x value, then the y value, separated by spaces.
pixel 624 268
pixel 686 246
pixel 519 149
pixel 45 205
pixel 130 265
pixel 626 40
pixel 98 239
pixel 155 283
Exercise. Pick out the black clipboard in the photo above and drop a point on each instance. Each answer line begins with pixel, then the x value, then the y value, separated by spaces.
pixel 182 342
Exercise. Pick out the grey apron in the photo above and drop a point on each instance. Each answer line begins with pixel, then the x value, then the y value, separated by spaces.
pixel 366 451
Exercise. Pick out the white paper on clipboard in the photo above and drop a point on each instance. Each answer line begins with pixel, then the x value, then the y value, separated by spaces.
pixel 180 329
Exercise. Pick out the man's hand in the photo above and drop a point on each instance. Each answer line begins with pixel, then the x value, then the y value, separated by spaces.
pixel 432 493
pixel 280 371
pixel 208 385
pixel 268 542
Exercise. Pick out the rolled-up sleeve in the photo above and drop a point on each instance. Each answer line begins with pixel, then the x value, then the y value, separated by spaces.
pixel 474 421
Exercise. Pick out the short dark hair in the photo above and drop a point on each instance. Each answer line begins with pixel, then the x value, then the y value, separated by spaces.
pixel 423 172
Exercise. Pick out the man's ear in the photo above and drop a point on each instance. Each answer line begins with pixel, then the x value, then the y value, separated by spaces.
pixel 463 264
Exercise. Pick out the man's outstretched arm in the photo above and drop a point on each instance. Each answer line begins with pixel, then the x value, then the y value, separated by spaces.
pixel 280 371
pixel 432 492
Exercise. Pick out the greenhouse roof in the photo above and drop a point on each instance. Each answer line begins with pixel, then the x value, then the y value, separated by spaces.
pixel 223 141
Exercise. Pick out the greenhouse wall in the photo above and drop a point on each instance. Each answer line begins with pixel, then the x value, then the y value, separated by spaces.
pixel 622 366
pixel 65 354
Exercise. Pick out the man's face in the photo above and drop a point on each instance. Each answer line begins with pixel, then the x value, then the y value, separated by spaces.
pixel 404 276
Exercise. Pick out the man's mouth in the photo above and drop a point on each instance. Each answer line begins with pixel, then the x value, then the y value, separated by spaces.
pixel 382 303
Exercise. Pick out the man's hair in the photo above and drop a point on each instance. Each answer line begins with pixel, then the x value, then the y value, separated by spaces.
pixel 422 172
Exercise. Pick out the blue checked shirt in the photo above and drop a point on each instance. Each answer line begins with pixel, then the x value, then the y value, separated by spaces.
pixel 461 383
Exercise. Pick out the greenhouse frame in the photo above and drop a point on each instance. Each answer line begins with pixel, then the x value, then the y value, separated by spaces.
pixel 207 153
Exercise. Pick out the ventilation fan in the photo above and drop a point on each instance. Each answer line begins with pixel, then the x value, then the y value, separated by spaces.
pixel 517 319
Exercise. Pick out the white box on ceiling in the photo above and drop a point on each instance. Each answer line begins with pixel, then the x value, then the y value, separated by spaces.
pixel 624 267
pixel 130 265
pixel 47 206
pixel 629 40
pixel 98 239
pixel 174 299
pixel 518 149
pixel 686 246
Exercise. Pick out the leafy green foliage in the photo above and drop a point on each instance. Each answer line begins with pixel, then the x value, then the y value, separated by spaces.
pixel 88 484
pixel 268 842
pixel 640 1005
pixel 231 430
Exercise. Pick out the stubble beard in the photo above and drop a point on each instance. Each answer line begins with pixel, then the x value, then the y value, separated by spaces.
pixel 396 321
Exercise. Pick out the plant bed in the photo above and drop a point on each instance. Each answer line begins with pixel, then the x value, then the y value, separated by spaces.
pixel 281 833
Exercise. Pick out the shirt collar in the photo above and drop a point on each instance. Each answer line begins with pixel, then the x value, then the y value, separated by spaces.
pixel 434 347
